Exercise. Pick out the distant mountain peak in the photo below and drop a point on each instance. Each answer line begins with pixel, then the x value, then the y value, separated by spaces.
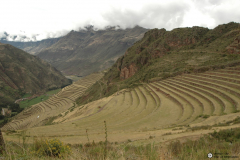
pixel 86 51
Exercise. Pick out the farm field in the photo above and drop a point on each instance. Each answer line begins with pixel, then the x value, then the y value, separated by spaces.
pixel 39 114
pixel 163 110
pixel 28 103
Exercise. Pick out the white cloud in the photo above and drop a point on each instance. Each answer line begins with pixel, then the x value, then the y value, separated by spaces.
pixel 40 19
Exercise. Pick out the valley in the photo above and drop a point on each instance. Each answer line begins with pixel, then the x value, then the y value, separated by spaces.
pixel 186 100
pixel 169 89
pixel 179 108
pixel 52 107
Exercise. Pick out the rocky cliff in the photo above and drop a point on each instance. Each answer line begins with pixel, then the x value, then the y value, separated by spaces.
pixel 158 42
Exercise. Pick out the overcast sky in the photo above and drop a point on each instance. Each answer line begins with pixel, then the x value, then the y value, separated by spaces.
pixel 43 19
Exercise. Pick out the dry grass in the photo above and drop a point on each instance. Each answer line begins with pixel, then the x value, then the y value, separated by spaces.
pixel 151 110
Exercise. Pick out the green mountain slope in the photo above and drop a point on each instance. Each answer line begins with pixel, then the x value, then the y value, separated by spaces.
pixel 21 72
pixel 33 47
pixel 88 51
pixel 161 54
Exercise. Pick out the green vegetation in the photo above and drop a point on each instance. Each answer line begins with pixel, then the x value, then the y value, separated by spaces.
pixel 50 120
pixel 28 103
pixel 52 92
pixel 39 149
pixel 230 135
pixel 27 95
pixel 189 86
pixel 15 109
pixel 199 149
pixel 207 127
pixel 51 104
pixel 23 73
pixel 204 116
pixel 162 54
pixel 223 144
pixel 235 121
pixel 52 147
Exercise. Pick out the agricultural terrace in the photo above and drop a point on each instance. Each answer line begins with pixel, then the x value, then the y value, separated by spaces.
pixel 40 113
pixel 156 109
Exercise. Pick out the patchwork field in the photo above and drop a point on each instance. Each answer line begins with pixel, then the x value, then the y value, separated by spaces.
pixel 40 113
pixel 165 110
pixel 28 103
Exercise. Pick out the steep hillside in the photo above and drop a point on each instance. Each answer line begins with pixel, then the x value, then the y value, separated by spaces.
pixel 33 47
pixel 21 72
pixel 161 54
pixel 87 51
pixel 177 107
pixel 63 101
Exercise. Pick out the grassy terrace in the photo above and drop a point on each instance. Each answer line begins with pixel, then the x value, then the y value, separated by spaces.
pixel 185 100
pixel 53 103
pixel 187 105
pixel 28 103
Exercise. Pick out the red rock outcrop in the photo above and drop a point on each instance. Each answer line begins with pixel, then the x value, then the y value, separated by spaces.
pixel 234 48
pixel 127 72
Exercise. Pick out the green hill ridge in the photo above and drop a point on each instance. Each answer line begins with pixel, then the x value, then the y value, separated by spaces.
pixel 161 54
pixel 22 73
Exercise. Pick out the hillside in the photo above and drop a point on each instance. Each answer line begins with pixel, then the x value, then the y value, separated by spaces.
pixel 184 106
pixel 88 51
pixel 161 54
pixel 21 72
pixel 32 47
pixel 162 104
pixel 63 101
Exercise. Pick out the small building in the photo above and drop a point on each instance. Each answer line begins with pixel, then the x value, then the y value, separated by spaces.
pixel 6 111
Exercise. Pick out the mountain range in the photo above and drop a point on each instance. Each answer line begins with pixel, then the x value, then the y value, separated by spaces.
pixel 22 73
pixel 32 47
pixel 161 54
pixel 86 51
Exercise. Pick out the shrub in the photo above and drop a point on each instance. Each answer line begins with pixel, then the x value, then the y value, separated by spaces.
pixel 229 135
pixel 52 147
pixel 175 147
pixel 204 116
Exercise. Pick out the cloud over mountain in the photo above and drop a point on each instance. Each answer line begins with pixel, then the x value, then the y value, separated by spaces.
pixel 36 20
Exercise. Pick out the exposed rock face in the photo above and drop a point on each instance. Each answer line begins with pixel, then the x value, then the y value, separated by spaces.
pixel 161 54
pixel 127 72
pixel 234 48
pixel 157 43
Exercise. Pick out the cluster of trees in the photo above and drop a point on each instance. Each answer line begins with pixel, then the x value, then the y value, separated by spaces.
pixel 15 109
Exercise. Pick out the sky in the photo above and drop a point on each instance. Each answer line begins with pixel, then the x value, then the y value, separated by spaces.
pixel 34 20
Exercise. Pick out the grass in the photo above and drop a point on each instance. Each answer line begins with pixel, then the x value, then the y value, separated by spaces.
pixel 28 103
pixel 136 114
pixel 52 106
pixel 199 149
pixel 222 144
pixel 173 101
pixel 161 54
pixel 26 95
